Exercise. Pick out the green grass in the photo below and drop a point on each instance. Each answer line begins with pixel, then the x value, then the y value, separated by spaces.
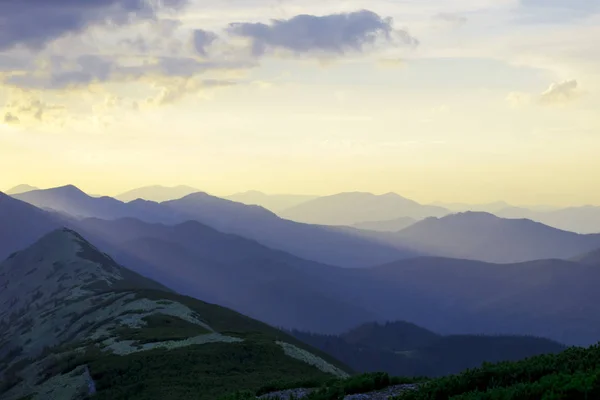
pixel 161 328
pixel 573 374
pixel 196 372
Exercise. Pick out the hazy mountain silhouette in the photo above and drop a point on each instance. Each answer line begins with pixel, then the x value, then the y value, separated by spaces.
pixel 73 201
pixel 317 243
pixel 485 237
pixel 591 258
pixel 273 202
pixel 307 241
pixel 357 207
pixel 156 193
pixel 393 225
pixel 72 308
pixel 551 298
pixel 230 270
pixel 584 219
pixel 404 349
pixel 547 298
pixel 21 224
pixel 21 189
pixel 463 207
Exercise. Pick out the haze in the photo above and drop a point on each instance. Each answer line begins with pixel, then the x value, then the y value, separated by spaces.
pixel 456 101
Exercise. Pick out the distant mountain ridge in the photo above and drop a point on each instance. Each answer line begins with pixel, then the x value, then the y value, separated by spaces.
pixel 21 224
pixel 585 219
pixel 21 189
pixel 403 349
pixel 307 241
pixel 485 237
pixel 156 193
pixel 358 207
pixel 272 202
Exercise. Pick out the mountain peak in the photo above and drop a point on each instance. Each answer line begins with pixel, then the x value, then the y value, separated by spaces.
pixel 21 189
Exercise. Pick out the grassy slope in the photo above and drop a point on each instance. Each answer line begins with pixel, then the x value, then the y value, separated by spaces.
pixel 197 371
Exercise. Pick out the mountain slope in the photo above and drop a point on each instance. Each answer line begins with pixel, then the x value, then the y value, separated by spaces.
pixel 485 237
pixel 272 202
pixel 547 298
pixel 21 189
pixel 403 349
pixel 156 193
pixel 21 224
pixel 591 258
pixel 353 208
pixel 230 270
pixel 393 225
pixel 583 220
pixel 74 322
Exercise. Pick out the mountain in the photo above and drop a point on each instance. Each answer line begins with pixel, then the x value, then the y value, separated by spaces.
pixel 485 237
pixel 403 349
pixel 71 200
pixel 318 243
pixel 582 220
pixel 357 207
pixel 75 323
pixel 393 225
pixel 21 224
pixel 547 298
pixel 591 258
pixel 21 189
pixel 463 207
pixel 226 269
pixel 272 202
pixel 156 193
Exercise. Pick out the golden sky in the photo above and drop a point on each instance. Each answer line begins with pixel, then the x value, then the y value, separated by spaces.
pixel 451 100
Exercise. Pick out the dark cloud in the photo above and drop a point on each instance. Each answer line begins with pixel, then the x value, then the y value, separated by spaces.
pixel 11 119
pixel 336 33
pixel 202 39
pixel 89 69
pixel 33 23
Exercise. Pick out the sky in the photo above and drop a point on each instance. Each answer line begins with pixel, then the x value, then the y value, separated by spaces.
pixel 451 100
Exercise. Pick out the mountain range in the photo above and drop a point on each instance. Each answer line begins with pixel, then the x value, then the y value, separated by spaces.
pixel 404 349
pixel 74 323
pixel 272 202
pixel 357 207
pixel 486 237
pixel 545 297
pixel 156 193
pixel 318 243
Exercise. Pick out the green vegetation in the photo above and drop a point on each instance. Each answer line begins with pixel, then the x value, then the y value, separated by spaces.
pixel 161 328
pixel 358 384
pixel 196 372
pixel 333 389
pixel 573 374
pixel 403 349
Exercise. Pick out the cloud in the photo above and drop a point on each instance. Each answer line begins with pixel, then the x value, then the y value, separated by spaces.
pixel 451 20
pixel 34 23
pixel 556 94
pixel 176 89
pixel 25 107
pixel 518 99
pixel 11 119
pixel 202 39
pixel 334 34
pixel 560 93
pixel 63 73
